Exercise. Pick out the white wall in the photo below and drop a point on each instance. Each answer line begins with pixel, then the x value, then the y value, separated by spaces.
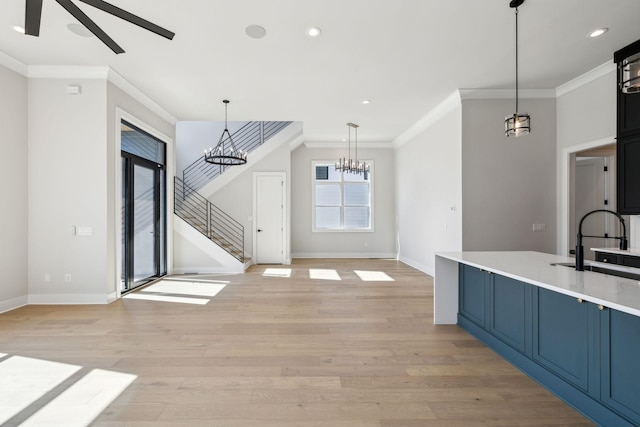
pixel 67 188
pixel 429 192
pixel 377 244
pixel 13 189
pixel 586 117
pixel 508 184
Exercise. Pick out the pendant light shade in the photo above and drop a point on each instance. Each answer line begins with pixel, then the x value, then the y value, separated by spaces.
pixel 630 74
pixel 517 124
pixel 225 153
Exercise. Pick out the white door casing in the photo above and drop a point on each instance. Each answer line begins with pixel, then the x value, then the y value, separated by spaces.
pixel 269 218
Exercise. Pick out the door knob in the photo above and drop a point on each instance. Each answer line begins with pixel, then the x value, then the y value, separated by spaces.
pixel 259 230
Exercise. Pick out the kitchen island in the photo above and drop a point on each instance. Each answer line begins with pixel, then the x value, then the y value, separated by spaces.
pixel 575 332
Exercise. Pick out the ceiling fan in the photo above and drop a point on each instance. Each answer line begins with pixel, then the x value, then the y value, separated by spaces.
pixel 33 14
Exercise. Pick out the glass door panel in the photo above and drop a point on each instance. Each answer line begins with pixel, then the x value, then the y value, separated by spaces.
pixel 144 223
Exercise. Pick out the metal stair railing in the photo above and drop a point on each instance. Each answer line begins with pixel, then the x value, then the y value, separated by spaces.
pixel 247 138
pixel 208 219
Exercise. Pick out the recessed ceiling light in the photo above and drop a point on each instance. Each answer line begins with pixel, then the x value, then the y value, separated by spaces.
pixel 366 101
pixel 79 30
pixel 18 29
pixel 598 32
pixel 313 32
pixel 255 31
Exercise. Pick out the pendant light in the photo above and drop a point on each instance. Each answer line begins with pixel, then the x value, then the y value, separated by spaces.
pixel 630 74
pixel 225 153
pixel 352 165
pixel 517 124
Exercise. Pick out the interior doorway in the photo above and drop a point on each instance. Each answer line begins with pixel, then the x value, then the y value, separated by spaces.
pixel 269 217
pixel 593 178
pixel 143 208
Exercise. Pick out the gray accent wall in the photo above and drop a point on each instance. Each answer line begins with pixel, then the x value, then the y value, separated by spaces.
pixel 13 189
pixel 379 243
pixel 508 184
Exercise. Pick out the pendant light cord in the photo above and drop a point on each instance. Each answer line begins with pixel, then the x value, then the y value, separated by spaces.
pixel 516 60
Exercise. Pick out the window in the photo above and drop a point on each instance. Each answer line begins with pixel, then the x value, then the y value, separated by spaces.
pixel 341 201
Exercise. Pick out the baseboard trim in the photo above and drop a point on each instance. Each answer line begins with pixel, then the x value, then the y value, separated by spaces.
pixel 68 299
pixel 13 303
pixel 343 255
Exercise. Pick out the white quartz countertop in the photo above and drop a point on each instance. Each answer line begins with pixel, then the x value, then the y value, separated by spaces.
pixel 535 268
pixel 630 251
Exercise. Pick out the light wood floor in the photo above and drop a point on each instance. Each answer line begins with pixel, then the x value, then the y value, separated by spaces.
pixel 290 351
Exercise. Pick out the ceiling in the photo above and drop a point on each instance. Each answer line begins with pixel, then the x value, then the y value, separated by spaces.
pixel 406 56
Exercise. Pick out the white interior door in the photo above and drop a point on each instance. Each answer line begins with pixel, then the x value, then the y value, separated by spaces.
pixel 269 218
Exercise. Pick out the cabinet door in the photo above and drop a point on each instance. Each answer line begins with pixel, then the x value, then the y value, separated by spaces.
pixel 509 309
pixel 561 335
pixel 472 294
pixel 620 384
pixel 628 182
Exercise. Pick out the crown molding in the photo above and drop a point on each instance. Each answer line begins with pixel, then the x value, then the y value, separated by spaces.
pixel 449 104
pixel 139 96
pixel 13 64
pixel 588 77
pixel 66 72
pixel 341 144
pixel 506 93
pixel 86 72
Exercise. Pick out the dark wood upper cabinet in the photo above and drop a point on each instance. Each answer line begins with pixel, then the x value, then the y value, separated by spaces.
pixel 628 141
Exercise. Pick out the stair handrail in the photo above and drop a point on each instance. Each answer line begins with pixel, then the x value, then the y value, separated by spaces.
pixel 211 221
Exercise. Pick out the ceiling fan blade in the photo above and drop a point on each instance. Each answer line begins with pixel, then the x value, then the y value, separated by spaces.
pixel 90 25
pixel 33 13
pixel 130 17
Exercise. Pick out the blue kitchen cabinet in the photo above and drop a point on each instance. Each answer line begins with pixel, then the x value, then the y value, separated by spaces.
pixel 620 362
pixel 472 294
pixel 509 311
pixel 561 335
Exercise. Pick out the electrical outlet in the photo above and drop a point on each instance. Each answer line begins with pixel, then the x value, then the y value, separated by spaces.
pixel 539 227
pixel 47 278
pixel 67 278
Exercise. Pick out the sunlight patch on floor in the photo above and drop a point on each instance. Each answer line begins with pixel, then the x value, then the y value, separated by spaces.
pixel 206 289
pixel 83 401
pixel 373 276
pixel 24 380
pixel 277 272
pixel 167 298
pixel 324 274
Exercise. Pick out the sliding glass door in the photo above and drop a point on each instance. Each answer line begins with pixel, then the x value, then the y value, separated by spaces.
pixel 143 209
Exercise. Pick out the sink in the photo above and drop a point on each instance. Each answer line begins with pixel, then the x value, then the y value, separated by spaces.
pixel 599 269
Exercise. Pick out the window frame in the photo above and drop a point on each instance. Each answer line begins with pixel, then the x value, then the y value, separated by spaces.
pixel 331 164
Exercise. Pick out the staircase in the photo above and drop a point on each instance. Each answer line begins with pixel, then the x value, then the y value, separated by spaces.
pixel 201 218
pixel 209 220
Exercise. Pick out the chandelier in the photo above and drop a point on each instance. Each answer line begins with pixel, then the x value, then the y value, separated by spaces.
pixel 517 124
pixel 225 153
pixel 352 165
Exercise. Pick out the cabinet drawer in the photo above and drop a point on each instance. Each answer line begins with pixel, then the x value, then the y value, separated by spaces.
pixel 608 258
pixel 630 261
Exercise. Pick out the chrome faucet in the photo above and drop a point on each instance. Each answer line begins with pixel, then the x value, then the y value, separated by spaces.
pixel 580 249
